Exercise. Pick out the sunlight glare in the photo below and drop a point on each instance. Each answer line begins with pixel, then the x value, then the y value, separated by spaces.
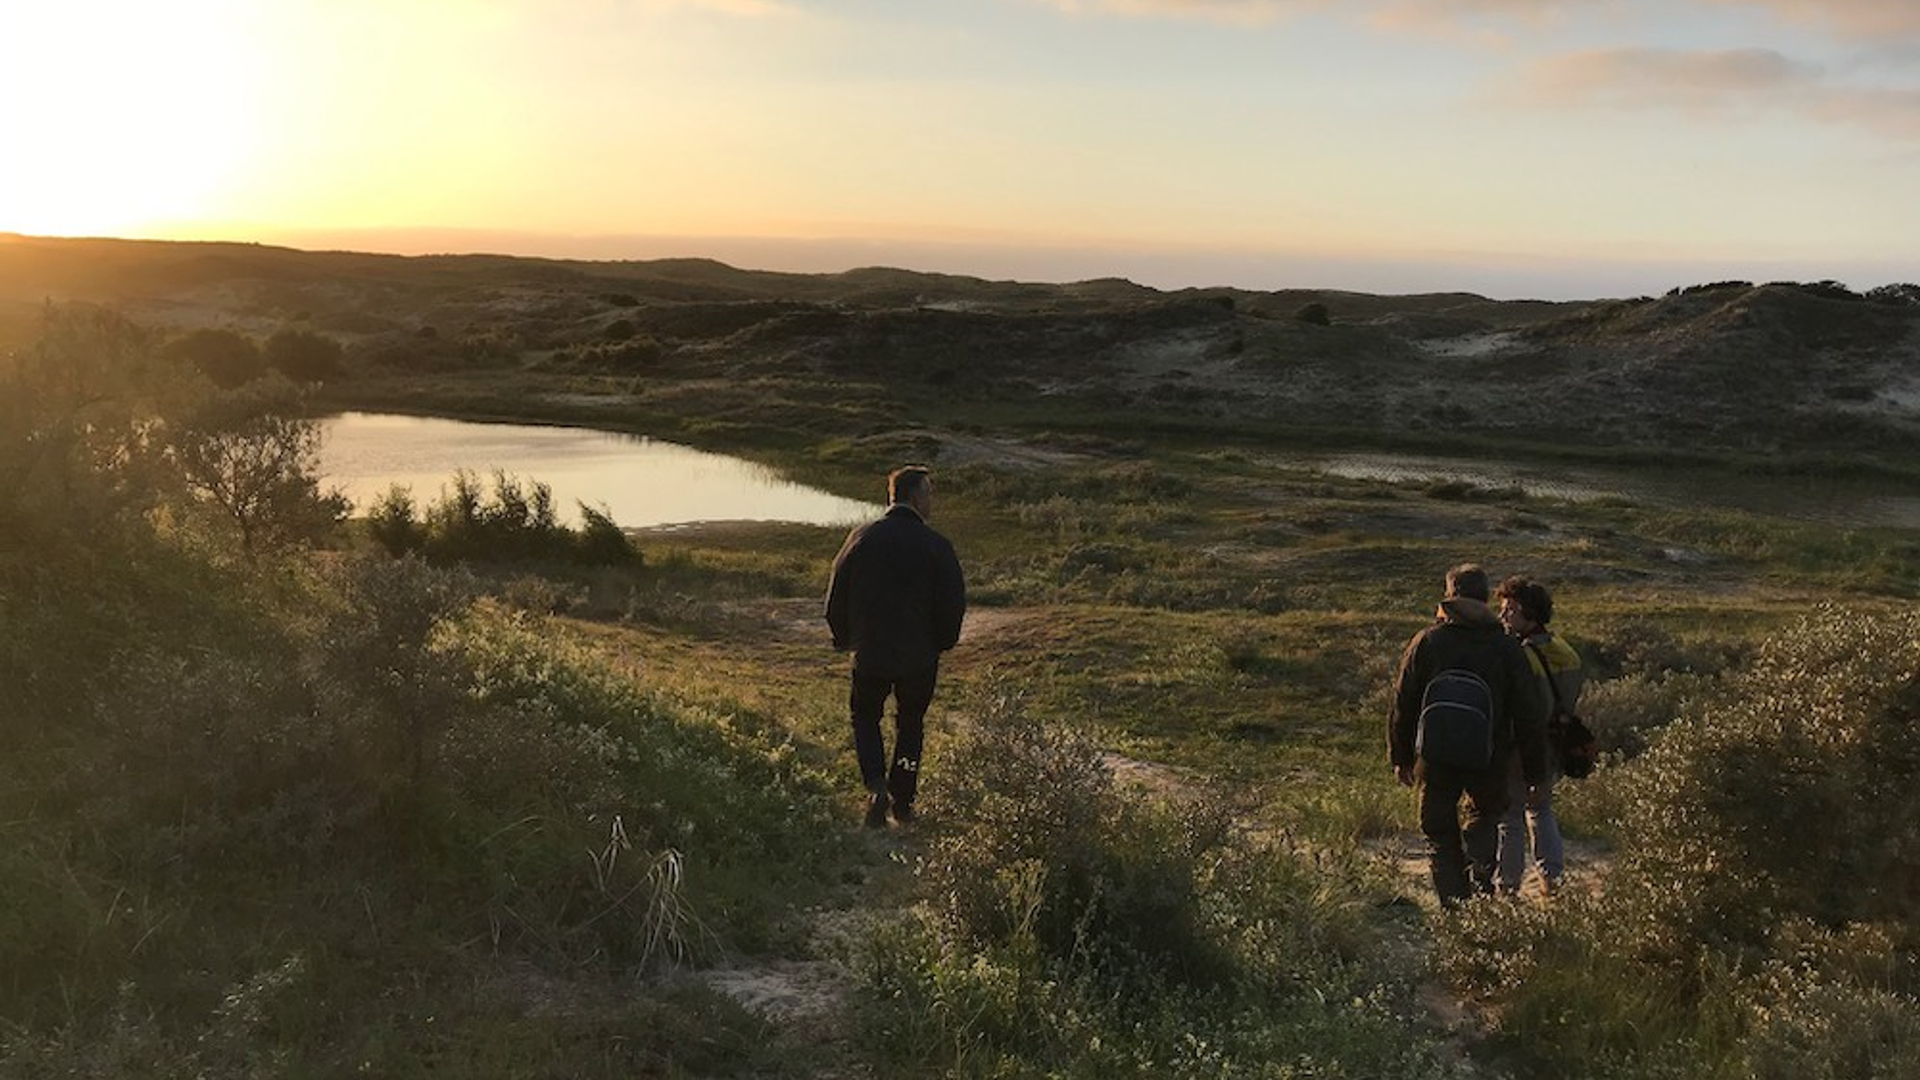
pixel 122 114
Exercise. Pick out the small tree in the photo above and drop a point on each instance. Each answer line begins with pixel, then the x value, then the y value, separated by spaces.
pixel 253 458
pixel 1315 314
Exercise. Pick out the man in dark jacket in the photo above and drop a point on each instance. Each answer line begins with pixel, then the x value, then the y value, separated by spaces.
pixel 896 600
pixel 1466 637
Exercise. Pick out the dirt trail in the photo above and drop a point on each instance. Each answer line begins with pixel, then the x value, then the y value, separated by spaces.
pixel 809 1001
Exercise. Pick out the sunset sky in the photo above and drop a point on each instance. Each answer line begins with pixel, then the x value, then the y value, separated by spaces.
pixel 1555 148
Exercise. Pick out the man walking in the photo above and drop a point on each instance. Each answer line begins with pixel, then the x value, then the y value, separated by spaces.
pixel 1465 703
pixel 896 600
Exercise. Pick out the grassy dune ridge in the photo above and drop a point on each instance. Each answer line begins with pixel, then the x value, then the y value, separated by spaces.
pixel 304 809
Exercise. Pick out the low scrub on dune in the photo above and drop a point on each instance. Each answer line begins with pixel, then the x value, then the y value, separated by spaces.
pixel 1075 928
pixel 1760 920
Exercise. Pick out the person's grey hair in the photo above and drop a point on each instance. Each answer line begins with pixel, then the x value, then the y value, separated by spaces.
pixel 1468 581
pixel 908 482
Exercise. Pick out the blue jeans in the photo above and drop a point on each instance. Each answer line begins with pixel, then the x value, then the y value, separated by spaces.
pixel 1530 836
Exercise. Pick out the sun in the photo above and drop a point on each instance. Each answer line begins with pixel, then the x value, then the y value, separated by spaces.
pixel 120 116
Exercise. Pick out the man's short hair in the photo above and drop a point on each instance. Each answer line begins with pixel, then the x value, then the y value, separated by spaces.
pixel 1468 581
pixel 908 482
pixel 1533 599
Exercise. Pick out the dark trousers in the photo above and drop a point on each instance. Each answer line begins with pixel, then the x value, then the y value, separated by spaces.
pixel 868 701
pixel 1462 845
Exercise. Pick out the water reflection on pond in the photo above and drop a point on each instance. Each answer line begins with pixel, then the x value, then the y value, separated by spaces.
pixel 642 482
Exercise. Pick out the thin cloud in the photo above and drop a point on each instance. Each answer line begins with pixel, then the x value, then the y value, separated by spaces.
pixel 1860 19
pixel 1852 18
pixel 1731 81
pixel 1894 113
pixel 737 8
pixel 1238 12
pixel 1487 23
pixel 1448 16
pixel 1636 76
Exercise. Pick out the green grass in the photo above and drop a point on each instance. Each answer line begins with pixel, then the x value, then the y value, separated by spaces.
pixel 332 815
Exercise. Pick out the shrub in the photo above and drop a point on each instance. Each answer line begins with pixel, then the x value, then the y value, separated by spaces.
pixel 601 541
pixel 1899 294
pixel 1050 860
pixel 1761 914
pixel 393 524
pixel 226 357
pixel 303 356
pixel 1625 713
pixel 1076 930
pixel 1820 730
pixel 1050 855
pixel 511 522
pixel 1807 1024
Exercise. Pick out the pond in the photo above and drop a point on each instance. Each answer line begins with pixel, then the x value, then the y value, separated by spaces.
pixel 641 482
pixel 1846 503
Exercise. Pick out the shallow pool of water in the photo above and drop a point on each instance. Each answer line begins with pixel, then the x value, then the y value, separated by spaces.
pixel 641 482
pixel 1841 502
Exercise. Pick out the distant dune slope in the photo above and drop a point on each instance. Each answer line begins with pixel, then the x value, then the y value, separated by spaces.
pixel 1805 370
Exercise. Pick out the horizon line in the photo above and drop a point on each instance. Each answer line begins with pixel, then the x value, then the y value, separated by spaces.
pixel 1493 276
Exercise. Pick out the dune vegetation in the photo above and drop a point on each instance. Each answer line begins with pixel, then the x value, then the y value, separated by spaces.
pixel 456 790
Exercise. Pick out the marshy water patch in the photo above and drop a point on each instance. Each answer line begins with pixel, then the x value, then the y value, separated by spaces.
pixel 1845 502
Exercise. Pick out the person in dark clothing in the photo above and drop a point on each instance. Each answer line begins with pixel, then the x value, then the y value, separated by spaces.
pixel 1467 636
pixel 896 600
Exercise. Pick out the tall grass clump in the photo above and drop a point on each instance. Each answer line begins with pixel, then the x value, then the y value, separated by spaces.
pixel 1074 928
pixel 1761 919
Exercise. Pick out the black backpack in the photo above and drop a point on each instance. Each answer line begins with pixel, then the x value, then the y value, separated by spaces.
pixel 1456 721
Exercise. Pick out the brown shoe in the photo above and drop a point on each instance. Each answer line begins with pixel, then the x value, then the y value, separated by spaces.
pixel 877 812
pixel 903 813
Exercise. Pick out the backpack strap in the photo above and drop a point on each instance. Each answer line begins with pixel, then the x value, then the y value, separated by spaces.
pixel 1553 685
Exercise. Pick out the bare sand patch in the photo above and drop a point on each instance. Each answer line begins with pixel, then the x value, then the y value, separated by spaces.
pixel 785 991
pixel 1469 346
pixel 1166 781
pixel 979 450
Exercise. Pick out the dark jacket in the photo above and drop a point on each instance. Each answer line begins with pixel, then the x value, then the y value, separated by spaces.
pixel 897 596
pixel 1466 634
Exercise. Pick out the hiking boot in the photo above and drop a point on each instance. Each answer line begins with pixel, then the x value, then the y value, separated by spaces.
pixel 903 813
pixel 877 812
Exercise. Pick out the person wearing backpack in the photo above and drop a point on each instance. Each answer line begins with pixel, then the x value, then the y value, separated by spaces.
pixel 1466 707
pixel 1530 833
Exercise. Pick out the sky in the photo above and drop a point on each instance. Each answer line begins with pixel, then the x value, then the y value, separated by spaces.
pixel 1562 149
